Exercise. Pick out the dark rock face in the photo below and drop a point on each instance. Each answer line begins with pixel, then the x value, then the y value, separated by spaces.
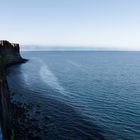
pixel 9 53
pixel 5 45
pixel 5 109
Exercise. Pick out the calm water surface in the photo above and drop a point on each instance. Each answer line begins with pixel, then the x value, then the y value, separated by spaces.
pixel 103 88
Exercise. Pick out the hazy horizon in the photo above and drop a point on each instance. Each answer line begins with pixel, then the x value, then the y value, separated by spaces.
pixel 71 48
pixel 85 23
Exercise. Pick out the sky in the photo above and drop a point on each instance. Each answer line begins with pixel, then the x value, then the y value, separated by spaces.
pixel 81 23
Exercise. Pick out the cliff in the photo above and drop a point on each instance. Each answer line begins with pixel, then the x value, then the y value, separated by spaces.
pixel 9 55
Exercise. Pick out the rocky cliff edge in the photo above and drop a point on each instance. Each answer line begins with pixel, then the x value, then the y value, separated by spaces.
pixel 9 53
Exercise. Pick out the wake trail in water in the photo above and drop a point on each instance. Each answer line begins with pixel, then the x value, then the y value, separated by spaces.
pixel 49 78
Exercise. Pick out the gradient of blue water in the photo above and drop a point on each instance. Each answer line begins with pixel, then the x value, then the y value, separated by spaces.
pixel 103 86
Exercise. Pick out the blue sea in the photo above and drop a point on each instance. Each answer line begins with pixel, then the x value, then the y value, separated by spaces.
pixel 87 94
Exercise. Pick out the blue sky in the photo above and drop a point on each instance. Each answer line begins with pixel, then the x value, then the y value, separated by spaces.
pixel 94 23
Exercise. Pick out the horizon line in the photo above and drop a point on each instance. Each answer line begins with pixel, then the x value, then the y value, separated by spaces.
pixel 73 48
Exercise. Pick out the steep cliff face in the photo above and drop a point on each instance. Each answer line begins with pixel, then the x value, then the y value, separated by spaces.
pixel 9 53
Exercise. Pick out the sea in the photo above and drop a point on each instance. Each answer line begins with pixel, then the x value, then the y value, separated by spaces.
pixel 88 94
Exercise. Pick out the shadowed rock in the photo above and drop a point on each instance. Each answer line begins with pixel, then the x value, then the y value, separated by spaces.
pixel 9 55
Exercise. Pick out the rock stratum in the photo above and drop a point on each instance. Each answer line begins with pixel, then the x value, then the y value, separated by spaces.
pixel 9 55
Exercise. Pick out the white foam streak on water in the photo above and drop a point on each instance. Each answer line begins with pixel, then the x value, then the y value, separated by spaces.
pixel 49 78
pixel 26 78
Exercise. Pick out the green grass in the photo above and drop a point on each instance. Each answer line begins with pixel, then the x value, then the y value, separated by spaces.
pixel 12 134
